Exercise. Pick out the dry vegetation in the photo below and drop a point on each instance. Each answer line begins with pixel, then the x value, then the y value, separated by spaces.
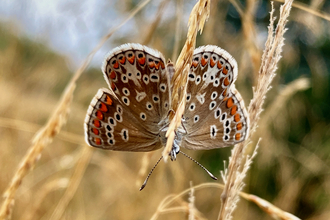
pixel 48 172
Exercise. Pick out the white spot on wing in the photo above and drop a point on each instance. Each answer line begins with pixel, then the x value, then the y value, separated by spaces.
pixel 213 131
pixel 201 98
pixel 140 95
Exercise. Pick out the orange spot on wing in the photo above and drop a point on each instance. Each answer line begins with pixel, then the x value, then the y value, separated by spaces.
pixel 151 65
pixel 99 115
pixel 230 102
pixel 112 75
pixel 142 60
pixel 224 93
pixel 95 131
pixel 233 110
pixel 203 61
pixel 113 86
pixel 103 107
pixel 238 136
pixel 97 141
pixel 122 60
pixel 212 63
pixel 226 81
pixel 131 59
pixel 219 65
pixel 97 123
pixel 116 65
pixel 194 64
pixel 225 71
pixel 108 100
pixel 237 117
pixel 239 126
pixel 162 65
pixel 157 64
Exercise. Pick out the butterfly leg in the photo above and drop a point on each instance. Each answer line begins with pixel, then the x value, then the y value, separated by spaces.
pixel 176 145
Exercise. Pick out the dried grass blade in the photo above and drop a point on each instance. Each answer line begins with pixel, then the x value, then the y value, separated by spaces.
pixel 73 182
pixel 197 19
pixel 305 7
pixel 269 208
pixel 270 58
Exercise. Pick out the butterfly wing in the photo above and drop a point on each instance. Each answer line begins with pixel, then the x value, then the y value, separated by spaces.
pixel 137 76
pixel 110 124
pixel 215 115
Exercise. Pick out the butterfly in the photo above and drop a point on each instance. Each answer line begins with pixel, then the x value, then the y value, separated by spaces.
pixel 133 114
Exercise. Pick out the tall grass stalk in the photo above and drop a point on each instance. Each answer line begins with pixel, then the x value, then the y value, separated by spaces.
pixel 272 54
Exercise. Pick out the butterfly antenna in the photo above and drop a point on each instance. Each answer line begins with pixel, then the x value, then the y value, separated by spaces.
pixel 145 182
pixel 208 172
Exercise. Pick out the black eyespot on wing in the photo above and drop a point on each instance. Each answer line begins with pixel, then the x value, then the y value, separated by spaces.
pixel 218 113
pixel 125 134
pixel 154 77
pixel 213 131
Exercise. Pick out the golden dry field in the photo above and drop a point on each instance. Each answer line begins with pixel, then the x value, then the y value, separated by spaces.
pixel 49 172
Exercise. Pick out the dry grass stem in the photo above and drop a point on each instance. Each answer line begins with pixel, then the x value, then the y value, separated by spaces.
pixel 249 31
pixel 238 6
pixel 270 58
pixel 32 128
pixel 73 182
pixel 177 37
pixel 164 206
pixel 152 27
pixel 42 139
pixel 45 136
pixel 250 35
pixel 41 196
pixel 305 7
pixel 238 183
pixel 285 94
pixel 269 208
pixel 197 19
pixel 144 168
pixel 191 200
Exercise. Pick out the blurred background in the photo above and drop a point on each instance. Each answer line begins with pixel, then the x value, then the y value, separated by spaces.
pixel 42 43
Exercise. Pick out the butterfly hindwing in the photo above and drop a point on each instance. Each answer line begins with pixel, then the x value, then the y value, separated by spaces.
pixel 110 124
pixel 215 115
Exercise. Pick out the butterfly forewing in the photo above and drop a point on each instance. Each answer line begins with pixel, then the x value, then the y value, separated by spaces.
pixel 215 115
pixel 138 76
pixel 139 83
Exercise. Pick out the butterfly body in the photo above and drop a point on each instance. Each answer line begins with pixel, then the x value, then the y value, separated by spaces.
pixel 133 115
